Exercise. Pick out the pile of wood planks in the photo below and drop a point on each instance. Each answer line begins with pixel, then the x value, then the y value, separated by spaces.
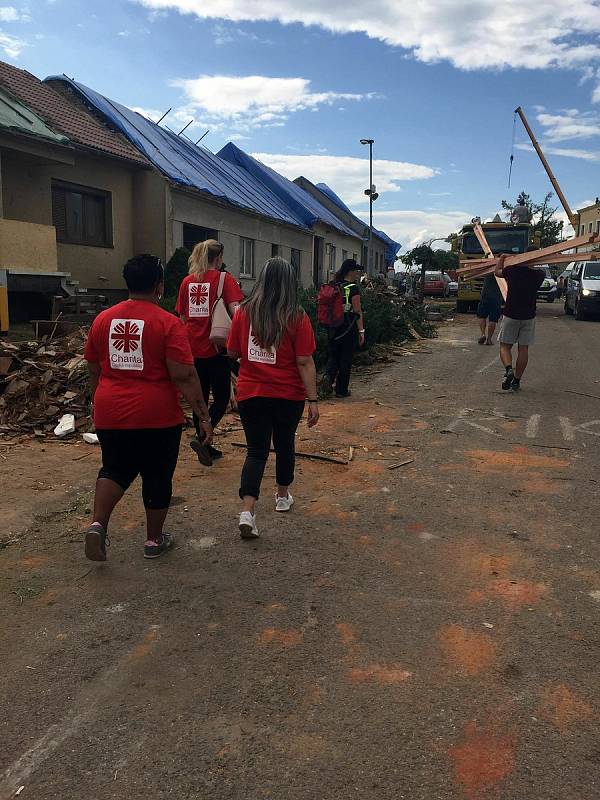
pixel 476 268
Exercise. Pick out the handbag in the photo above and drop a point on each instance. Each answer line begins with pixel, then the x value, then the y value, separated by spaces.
pixel 220 321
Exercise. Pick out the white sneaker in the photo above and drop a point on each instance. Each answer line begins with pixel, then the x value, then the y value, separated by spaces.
pixel 248 529
pixel 284 503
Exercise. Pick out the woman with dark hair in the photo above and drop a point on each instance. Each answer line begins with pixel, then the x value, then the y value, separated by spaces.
pixel 342 341
pixel 198 294
pixel 139 360
pixel 275 341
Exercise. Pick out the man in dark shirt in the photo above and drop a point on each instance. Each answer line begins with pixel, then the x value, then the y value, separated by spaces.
pixel 489 308
pixel 518 325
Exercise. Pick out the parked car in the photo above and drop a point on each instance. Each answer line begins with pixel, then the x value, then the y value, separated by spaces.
pixel 436 284
pixel 548 291
pixel 453 288
pixel 583 290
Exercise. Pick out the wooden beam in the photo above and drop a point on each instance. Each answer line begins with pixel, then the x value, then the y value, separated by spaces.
pixel 502 285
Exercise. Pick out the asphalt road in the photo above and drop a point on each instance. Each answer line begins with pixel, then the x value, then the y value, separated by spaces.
pixel 424 632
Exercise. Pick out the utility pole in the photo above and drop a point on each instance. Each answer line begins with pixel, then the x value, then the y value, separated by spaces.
pixel 372 194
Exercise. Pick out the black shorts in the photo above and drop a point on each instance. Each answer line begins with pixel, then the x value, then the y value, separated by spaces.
pixel 151 453
pixel 489 309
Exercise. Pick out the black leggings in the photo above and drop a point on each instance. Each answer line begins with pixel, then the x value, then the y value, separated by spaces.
pixel 264 418
pixel 215 376
pixel 339 361
pixel 149 452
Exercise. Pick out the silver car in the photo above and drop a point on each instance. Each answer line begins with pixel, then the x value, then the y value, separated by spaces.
pixel 583 290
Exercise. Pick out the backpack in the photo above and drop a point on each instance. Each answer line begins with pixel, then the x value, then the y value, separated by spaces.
pixel 330 305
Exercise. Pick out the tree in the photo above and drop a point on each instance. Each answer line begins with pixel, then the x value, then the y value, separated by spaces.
pixel 543 216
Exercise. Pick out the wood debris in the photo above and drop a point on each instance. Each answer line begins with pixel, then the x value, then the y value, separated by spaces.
pixel 40 381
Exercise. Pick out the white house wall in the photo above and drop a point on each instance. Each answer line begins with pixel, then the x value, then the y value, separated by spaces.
pixel 231 225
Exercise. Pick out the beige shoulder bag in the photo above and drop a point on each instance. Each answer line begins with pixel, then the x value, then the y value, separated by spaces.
pixel 220 321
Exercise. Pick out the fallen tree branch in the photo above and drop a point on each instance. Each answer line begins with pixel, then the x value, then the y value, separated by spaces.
pixel 300 454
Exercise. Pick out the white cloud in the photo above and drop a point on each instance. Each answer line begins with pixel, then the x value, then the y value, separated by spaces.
pixel 567 152
pixel 9 14
pixel 570 124
pixel 470 34
pixel 414 227
pixel 347 176
pixel 11 45
pixel 254 101
pixel 125 34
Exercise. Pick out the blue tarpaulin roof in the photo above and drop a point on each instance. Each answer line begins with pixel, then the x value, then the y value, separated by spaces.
pixel 392 247
pixel 301 202
pixel 187 164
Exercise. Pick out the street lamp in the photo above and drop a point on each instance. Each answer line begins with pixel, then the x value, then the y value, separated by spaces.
pixel 372 195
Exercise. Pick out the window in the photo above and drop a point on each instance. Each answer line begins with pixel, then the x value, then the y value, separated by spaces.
pixel 274 250
pixel 344 255
pixel 598 226
pixel 582 230
pixel 192 234
pixel 332 258
pixel 354 257
pixel 295 261
pixel 590 227
pixel 246 258
pixel 82 215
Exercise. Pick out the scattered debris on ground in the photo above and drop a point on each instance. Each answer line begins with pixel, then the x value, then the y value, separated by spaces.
pixel 41 382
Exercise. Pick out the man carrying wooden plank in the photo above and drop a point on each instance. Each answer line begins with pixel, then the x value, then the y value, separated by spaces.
pixel 518 325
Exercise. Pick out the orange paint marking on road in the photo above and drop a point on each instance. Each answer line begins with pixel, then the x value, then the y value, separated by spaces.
pixel 365 540
pixel 482 761
pixel 143 649
pixel 33 562
pixel 289 638
pixel 415 527
pixel 519 459
pixel 346 632
pixel 473 652
pixel 563 708
pixel 518 593
pixel 381 674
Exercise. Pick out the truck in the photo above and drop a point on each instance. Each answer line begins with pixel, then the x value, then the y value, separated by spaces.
pixel 503 237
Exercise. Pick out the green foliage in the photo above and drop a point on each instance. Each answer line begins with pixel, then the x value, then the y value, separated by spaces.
pixel 175 271
pixel 432 260
pixel 387 319
pixel 543 216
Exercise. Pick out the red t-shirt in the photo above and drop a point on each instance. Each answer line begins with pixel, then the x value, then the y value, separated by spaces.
pixel 131 341
pixel 273 372
pixel 195 302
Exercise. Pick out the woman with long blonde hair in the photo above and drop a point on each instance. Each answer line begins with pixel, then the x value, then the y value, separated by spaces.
pixel 198 294
pixel 274 339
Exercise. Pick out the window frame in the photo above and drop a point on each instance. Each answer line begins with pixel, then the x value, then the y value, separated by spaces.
pixel 274 250
pixel 332 258
pixel 244 273
pixel 84 191
pixel 298 266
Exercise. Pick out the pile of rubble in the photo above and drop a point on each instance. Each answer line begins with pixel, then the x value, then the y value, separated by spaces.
pixel 40 381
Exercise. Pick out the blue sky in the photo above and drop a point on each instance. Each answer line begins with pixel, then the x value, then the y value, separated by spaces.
pixel 299 82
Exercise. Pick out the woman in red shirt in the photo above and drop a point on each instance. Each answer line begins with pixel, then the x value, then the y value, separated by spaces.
pixel 275 341
pixel 139 360
pixel 198 293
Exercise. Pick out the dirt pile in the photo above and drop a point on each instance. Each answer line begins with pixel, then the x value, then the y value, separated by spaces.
pixel 42 380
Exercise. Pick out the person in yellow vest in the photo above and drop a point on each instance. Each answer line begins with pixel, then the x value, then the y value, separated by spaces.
pixel 342 341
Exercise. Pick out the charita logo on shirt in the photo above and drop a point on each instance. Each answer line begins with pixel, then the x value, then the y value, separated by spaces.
pixel 258 353
pixel 125 349
pixel 199 299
